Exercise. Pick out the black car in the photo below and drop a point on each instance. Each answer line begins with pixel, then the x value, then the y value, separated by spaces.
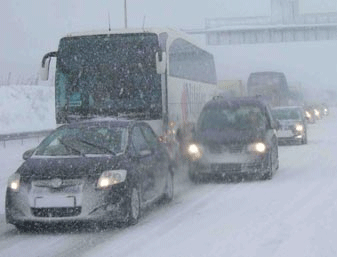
pixel 101 171
pixel 293 124
pixel 234 137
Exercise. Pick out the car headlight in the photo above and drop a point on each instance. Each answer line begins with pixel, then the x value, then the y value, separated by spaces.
pixel 299 127
pixel 14 182
pixel 111 177
pixel 257 147
pixel 308 115
pixel 194 151
pixel 316 112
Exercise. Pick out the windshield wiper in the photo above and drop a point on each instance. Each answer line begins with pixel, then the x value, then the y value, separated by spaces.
pixel 96 146
pixel 67 146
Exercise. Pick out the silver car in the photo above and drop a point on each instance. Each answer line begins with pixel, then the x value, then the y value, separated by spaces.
pixel 293 124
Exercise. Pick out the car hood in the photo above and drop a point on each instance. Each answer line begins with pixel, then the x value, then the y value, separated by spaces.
pixel 39 168
pixel 211 136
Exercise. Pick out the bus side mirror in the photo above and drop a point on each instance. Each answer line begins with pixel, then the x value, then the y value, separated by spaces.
pixel 44 70
pixel 161 62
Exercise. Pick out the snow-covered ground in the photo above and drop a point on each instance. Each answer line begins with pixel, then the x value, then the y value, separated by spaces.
pixel 294 214
pixel 26 108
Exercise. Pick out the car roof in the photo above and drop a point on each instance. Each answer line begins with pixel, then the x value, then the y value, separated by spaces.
pixel 235 101
pixel 102 122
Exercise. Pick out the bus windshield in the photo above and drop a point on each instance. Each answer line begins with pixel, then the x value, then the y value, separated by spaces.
pixel 107 74
pixel 264 80
pixel 271 85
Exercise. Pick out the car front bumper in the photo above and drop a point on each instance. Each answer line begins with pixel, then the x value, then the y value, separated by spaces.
pixel 287 136
pixel 90 204
pixel 230 164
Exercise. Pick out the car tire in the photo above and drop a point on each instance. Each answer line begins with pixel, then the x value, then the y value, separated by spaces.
pixel 133 206
pixel 193 177
pixel 169 188
pixel 277 159
pixel 305 139
pixel 268 175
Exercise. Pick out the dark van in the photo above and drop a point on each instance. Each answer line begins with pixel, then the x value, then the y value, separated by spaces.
pixel 234 136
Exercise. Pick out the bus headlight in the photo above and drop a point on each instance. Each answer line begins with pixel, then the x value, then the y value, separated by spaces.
pixel 14 182
pixel 111 177
pixel 194 151
pixel 257 147
pixel 299 127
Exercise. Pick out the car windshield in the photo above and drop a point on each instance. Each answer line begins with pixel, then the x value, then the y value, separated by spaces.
pixel 238 118
pixel 84 141
pixel 286 114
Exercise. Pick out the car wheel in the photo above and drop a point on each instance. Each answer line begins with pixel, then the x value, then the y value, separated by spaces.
pixel 268 175
pixel 169 188
pixel 133 206
pixel 193 177
pixel 305 139
pixel 277 159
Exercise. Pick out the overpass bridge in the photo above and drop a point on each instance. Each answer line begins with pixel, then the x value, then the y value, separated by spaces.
pixel 285 24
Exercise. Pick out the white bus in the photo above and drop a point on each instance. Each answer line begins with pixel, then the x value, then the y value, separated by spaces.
pixel 158 75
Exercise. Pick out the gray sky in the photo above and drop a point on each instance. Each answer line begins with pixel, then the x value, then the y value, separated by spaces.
pixel 29 29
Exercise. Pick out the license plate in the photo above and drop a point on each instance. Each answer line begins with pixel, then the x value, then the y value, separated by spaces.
pixel 54 201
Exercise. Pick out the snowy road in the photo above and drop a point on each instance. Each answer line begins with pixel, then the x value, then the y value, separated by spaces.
pixel 294 214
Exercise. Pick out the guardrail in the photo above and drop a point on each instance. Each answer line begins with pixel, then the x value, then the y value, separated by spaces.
pixel 23 135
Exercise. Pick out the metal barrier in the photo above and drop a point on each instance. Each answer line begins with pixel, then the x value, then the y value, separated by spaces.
pixel 22 136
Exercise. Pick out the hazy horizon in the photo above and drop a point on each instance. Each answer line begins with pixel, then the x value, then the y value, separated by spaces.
pixel 29 31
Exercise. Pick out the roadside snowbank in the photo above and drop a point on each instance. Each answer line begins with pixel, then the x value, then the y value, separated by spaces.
pixel 26 108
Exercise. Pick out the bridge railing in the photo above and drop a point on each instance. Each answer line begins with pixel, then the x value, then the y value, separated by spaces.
pixel 324 18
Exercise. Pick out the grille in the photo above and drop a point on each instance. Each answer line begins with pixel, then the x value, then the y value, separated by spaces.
pixel 287 127
pixel 217 148
pixel 56 212
pixel 235 148
pixel 65 183
pixel 226 167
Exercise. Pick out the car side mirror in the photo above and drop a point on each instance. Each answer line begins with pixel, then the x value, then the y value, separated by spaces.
pixel 26 155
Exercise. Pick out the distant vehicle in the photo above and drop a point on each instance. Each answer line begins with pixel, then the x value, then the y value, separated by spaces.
pixel 271 85
pixel 310 115
pixel 318 111
pixel 100 171
pixel 234 88
pixel 234 136
pixel 293 124
pixel 156 75
pixel 325 109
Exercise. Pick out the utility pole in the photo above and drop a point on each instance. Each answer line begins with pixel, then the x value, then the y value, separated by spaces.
pixel 125 15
